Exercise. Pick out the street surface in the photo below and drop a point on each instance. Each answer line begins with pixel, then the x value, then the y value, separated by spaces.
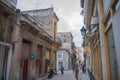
pixel 68 75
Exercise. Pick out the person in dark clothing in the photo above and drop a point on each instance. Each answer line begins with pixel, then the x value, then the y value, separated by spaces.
pixel 83 68
pixel 51 72
pixel 62 69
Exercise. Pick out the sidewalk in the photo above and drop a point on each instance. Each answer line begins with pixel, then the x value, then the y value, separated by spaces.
pixel 83 76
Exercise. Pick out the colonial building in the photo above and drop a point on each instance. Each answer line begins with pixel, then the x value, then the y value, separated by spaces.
pixel 101 18
pixel 36 44
pixel 7 14
pixel 66 51
pixel 27 44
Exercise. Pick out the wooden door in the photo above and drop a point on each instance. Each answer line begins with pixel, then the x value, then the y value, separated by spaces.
pixel 25 69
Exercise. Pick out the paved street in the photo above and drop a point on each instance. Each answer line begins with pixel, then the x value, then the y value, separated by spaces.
pixel 68 75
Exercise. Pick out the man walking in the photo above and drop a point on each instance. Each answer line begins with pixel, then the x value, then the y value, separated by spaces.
pixel 62 69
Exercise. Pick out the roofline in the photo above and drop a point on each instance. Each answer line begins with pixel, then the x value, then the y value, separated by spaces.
pixel 37 10
pixel 64 49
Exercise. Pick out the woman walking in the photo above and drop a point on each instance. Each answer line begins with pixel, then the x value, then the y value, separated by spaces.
pixel 76 69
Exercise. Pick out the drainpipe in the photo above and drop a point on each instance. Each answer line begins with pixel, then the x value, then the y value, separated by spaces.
pixel 9 62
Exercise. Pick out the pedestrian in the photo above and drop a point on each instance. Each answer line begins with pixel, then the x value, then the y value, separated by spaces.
pixel 83 68
pixel 76 69
pixel 62 69
pixel 55 72
pixel 50 73
pixel 73 68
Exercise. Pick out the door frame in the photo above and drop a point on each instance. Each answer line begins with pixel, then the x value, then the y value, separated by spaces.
pixel 25 68
pixel 9 57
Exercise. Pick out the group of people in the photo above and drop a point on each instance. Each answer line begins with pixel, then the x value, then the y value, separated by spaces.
pixel 83 68
pixel 51 71
pixel 75 69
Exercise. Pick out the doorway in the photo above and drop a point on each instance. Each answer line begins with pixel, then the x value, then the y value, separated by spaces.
pixel 25 69
pixel 3 61
pixel 59 65
pixel 26 49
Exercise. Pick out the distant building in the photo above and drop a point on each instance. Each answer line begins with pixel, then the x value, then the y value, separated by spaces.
pixel 63 59
pixel 78 54
pixel 66 51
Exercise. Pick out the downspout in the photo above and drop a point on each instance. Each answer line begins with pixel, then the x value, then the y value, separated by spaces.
pixel 9 62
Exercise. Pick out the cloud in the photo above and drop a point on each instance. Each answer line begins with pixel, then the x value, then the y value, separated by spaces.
pixel 68 12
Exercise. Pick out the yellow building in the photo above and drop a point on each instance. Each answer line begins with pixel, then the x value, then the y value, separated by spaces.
pixel 101 18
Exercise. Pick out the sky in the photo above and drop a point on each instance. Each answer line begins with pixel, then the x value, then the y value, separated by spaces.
pixel 68 12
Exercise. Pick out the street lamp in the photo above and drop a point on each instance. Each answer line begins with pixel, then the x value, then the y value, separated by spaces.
pixel 83 31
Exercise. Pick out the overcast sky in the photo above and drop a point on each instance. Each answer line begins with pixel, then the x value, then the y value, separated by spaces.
pixel 68 12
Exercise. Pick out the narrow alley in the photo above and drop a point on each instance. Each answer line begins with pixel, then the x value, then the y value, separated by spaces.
pixel 47 39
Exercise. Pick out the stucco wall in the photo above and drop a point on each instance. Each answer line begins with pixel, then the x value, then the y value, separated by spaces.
pixel 45 18
pixel 116 30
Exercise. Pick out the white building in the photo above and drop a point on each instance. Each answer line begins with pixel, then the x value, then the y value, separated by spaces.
pixel 63 59
pixel 65 51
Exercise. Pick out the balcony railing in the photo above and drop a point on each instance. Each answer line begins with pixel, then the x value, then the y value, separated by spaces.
pixel 94 20
pixel 58 41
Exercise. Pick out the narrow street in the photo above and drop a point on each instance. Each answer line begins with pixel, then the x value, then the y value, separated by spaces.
pixel 68 75
pixel 40 37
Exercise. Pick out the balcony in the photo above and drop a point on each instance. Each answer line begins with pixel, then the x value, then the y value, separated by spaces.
pixel 58 41
pixel 94 20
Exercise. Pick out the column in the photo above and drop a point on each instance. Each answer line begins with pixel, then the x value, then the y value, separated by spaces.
pixel 43 58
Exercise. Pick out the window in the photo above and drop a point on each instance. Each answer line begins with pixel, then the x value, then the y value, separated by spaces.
pixel 60 56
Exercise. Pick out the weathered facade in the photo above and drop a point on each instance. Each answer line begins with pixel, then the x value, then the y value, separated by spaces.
pixel 48 21
pixel 7 14
pixel 26 48
pixel 47 18
pixel 66 50
pixel 102 21
pixel 63 57
pixel 67 40
pixel 35 49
